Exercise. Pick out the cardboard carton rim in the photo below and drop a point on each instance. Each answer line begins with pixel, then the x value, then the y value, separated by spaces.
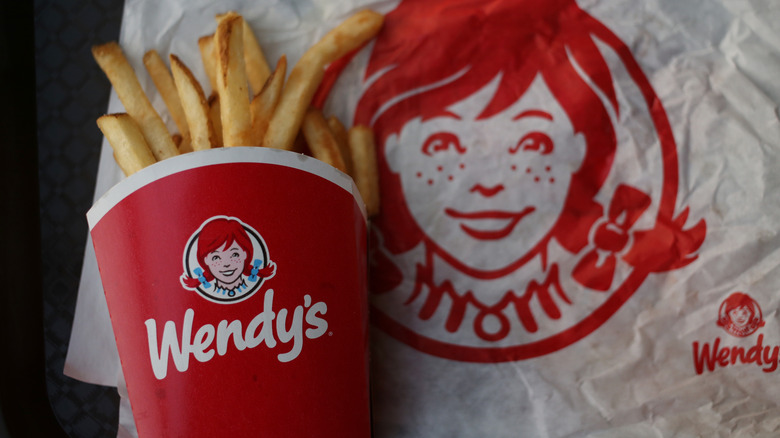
pixel 242 154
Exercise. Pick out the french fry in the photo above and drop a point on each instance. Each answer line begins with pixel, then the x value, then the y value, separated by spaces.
pixel 177 141
pixel 342 141
pixel 320 139
pixel 196 108
pixel 163 81
pixel 257 69
pixel 366 175
pixel 112 61
pixel 126 139
pixel 216 118
pixel 348 36
pixel 263 105
pixel 232 82
pixel 208 57
pixel 307 74
pixel 181 145
pixel 280 115
pixel 184 147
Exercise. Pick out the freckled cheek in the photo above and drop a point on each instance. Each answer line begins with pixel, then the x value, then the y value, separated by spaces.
pixel 432 175
pixel 537 171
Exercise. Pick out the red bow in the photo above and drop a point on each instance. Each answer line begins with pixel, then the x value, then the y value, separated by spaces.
pixel 597 268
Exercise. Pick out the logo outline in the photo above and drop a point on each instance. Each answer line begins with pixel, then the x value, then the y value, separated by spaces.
pixel 194 277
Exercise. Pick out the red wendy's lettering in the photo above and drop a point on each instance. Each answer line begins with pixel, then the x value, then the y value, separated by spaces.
pixel 261 329
pixel 710 356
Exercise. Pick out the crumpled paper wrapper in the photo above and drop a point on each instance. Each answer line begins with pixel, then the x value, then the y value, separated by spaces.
pixel 645 365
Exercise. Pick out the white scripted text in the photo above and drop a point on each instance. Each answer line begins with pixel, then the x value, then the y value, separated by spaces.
pixel 209 340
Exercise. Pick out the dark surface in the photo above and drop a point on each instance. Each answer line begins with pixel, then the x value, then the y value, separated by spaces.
pixel 71 93
pixel 25 409
pixel 46 63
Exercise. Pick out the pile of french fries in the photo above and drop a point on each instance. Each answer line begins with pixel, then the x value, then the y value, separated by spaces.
pixel 276 113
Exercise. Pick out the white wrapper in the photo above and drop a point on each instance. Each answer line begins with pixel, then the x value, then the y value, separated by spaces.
pixel 646 369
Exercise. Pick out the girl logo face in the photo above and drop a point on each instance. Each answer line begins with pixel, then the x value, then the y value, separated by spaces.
pixel 740 315
pixel 529 178
pixel 499 199
pixel 226 261
pixel 226 264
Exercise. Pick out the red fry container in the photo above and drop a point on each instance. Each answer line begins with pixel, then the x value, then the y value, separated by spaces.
pixel 236 284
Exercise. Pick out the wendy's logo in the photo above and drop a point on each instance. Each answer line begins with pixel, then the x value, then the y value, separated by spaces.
pixel 740 315
pixel 226 261
pixel 528 175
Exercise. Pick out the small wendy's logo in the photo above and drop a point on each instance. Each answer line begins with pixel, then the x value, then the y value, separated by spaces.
pixel 740 315
pixel 226 261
